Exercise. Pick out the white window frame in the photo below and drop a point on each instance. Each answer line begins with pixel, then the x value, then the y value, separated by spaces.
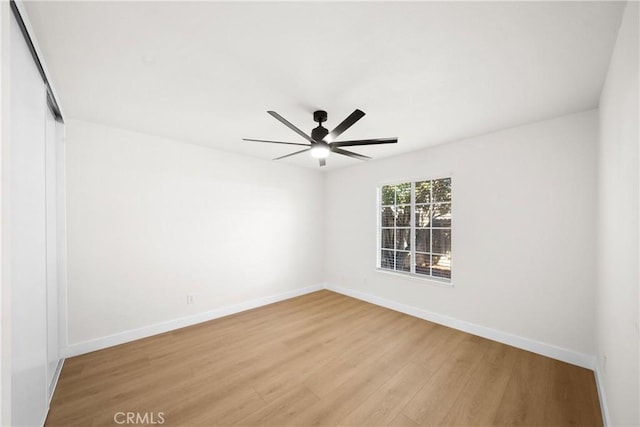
pixel 435 280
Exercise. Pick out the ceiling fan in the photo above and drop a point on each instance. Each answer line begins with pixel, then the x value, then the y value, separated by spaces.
pixel 322 142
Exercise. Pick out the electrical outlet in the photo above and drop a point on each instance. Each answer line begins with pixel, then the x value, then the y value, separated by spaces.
pixel 191 299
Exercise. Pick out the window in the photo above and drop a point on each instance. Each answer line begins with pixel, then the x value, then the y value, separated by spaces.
pixel 415 228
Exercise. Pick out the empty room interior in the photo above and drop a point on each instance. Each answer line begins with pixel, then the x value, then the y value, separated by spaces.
pixel 220 213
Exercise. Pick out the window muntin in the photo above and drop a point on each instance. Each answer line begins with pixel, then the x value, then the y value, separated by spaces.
pixel 415 228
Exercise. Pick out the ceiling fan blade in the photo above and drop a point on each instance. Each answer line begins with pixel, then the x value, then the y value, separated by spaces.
pixel 346 124
pixel 290 125
pixel 323 162
pixel 365 142
pixel 274 142
pixel 292 154
pixel 350 154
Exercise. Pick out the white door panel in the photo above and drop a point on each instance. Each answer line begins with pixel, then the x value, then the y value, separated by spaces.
pixel 27 236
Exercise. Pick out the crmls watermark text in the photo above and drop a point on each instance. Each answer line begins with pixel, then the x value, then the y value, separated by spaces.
pixel 138 417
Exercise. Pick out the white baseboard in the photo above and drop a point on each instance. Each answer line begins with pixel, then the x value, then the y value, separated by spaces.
pixel 573 357
pixel 56 377
pixel 51 390
pixel 549 350
pixel 170 325
pixel 602 395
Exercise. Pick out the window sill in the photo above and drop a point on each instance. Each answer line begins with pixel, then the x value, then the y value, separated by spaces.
pixel 428 279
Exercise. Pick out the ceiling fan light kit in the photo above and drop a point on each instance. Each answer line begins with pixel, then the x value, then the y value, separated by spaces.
pixel 320 151
pixel 322 142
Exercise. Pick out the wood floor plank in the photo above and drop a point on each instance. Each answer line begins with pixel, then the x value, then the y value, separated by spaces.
pixel 565 405
pixel 480 398
pixel 524 399
pixel 366 377
pixel 433 402
pixel 326 349
pixel 322 359
pixel 329 375
pixel 401 420
pixel 383 405
pixel 283 410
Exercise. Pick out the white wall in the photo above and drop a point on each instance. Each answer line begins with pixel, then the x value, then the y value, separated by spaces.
pixel 523 245
pixel 5 288
pixel 151 220
pixel 617 328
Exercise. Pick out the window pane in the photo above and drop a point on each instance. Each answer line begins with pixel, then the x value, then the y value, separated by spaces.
pixel 403 193
pixel 403 261
pixel 423 240
pixel 441 241
pixel 403 216
pixel 420 243
pixel 442 190
pixel 402 239
pixel 387 259
pixel 441 215
pixel 389 195
pixel 437 272
pixel 423 192
pixel 387 238
pixel 423 215
pixel 423 264
pixel 387 217
pixel 441 266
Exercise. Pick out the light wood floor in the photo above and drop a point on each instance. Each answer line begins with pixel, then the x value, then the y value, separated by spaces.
pixel 322 359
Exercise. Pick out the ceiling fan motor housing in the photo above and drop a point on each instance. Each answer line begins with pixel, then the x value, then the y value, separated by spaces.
pixel 318 134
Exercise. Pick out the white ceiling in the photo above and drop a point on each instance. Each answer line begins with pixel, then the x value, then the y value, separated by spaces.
pixel 427 72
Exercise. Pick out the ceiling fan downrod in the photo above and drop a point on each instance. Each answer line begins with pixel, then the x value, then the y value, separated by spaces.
pixel 318 133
